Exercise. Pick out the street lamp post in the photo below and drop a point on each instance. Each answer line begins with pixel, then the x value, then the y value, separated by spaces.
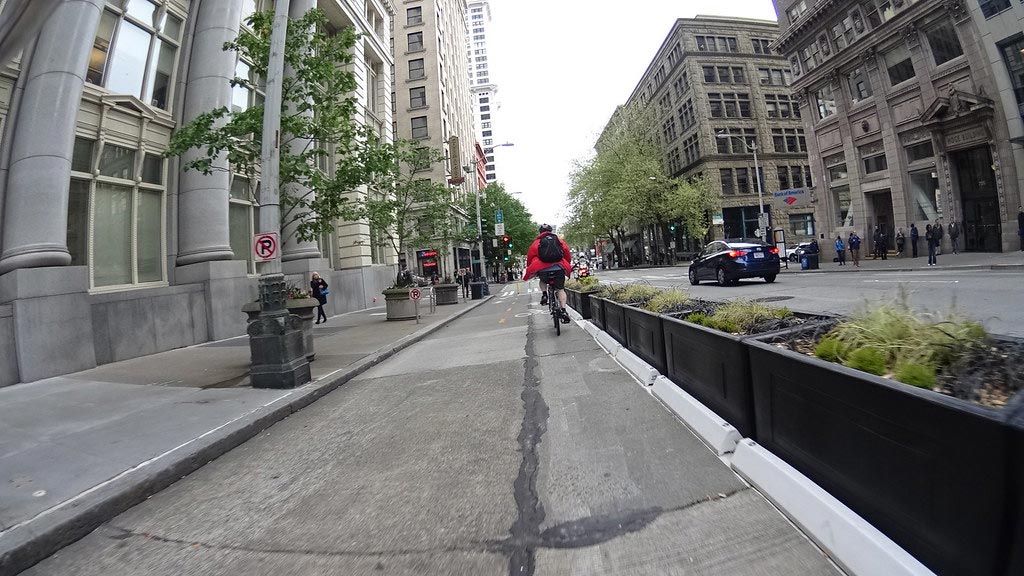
pixel 752 147
pixel 275 338
pixel 471 169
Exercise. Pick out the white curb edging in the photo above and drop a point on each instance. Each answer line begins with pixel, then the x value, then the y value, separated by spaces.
pixel 717 433
pixel 589 327
pixel 636 365
pixel 611 345
pixel 853 543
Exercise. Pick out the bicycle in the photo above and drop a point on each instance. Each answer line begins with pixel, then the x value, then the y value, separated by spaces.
pixel 556 312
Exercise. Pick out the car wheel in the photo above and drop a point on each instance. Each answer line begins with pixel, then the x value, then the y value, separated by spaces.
pixel 769 278
pixel 693 277
pixel 723 280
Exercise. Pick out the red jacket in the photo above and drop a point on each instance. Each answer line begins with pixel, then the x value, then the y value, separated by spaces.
pixel 534 264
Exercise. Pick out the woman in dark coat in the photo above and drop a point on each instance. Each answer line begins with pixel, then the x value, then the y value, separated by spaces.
pixel 318 289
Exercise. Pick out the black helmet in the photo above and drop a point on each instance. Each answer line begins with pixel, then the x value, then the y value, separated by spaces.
pixel 545 227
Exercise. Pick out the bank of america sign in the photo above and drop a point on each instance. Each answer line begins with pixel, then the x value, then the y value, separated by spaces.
pixel 793 198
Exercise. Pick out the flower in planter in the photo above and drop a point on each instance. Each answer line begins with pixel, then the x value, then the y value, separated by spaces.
pixel 295 293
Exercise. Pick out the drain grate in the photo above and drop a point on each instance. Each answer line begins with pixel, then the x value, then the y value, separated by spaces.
pixel 773 298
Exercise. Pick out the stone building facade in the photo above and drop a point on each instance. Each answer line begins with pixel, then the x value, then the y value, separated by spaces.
pixel 433 106
pixel 716 75
pixel 110 251
pixel 904 121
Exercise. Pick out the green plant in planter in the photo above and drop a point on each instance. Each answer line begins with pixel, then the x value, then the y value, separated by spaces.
pixel 740 316
pixel 589 284
pixel 918 375
pixel 698 318
pixel 668 301
pixel 868 359
pixel 612 291
pixel 829 349
pixel 638 294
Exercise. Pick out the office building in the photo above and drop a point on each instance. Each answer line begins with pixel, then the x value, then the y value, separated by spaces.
pixel 481 84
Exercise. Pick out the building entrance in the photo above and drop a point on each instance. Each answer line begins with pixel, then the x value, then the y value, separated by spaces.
pixel 982 228
pixel 882 215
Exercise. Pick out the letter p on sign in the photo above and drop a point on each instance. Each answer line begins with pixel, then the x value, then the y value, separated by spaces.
pixel 265 246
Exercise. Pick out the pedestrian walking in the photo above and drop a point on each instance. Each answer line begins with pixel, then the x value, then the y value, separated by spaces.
pixel 1020 225
pixel 318 288
pixel 854 243
pixel 462 279
pixel 914 236
pixel 876 243
pixel 840 250
pixel 883 248
pixel 901 242
pixel 931 238
pixel 938 233
pixel 954 236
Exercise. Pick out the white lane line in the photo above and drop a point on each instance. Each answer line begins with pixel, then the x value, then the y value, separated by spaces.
pixel 911 281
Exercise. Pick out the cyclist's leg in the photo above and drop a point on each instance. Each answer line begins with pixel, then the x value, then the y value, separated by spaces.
pixel 543 285
pixel 559 283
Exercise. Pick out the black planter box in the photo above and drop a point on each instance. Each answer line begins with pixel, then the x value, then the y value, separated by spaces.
pixel 1016 458
pixel 572 299
pixel 597 311
pixel 930 471
pixel 584 309
pixel 615 321
pixel 713 367
pixel 644 336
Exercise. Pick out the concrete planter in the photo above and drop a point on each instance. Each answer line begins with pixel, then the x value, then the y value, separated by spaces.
pixel 398 304
pixel 938 475
pixel 447 294
pixel 304 308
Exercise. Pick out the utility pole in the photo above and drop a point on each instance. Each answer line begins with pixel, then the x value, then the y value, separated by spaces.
pixel 275 339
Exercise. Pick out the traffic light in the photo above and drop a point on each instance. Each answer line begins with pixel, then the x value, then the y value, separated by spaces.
pixel 506 242
pixel 672 227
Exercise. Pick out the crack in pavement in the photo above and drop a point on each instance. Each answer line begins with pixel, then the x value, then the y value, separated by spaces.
pixel 521 545
pixel 125 533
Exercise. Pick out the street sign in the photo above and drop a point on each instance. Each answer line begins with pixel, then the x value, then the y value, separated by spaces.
pixel 499 217
pixel 499 229
pixel 717 219
pixel 415 294
pixel 793 198
pixel 265 246
pixel 762 220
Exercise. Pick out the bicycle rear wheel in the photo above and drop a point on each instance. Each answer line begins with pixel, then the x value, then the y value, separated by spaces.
pixel 553 303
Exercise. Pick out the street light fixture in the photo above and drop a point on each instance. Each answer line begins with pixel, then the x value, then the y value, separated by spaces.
pixel 752 147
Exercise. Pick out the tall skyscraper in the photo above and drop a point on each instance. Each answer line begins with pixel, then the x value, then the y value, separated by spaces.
pixel 484 91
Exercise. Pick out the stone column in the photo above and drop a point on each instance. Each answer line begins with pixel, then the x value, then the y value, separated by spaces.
pixel 36 199
pixel 293 248
pixel 203 234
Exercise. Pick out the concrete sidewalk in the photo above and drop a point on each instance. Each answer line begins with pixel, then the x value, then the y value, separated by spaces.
pixel 78 449
pixel 962 261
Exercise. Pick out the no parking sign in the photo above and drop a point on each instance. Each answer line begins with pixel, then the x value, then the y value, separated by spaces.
pixel 265 246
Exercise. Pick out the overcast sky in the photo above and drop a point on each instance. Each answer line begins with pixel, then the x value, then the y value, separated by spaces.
pixel 561 67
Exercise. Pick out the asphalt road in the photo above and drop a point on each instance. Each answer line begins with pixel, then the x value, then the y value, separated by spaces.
pixel 492 447
pixel 993 297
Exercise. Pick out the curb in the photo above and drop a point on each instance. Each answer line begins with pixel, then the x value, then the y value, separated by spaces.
pixel 918 269
pixel 721 436
pixel 858 547
pixel 855 545
pixel 30 542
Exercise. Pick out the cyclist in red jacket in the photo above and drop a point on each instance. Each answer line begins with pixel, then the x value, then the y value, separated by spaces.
pixel 549 272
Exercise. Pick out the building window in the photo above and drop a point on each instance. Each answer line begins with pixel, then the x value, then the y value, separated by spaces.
pixel 761 45
pixel 738 143
pixel 923 190
pixel 415 42
pixel 859 85
pixel 826 101
pixel 837 172
pixel 990 8
pixel 794 12
pixel 780 106
pixel 416 70
pixel 742 181
pixel 686 115
pixel 417 97
pixel 691 150
pixel 897 62
pixel 717 44
pixel 790 140
pixel 944 43
pixel 919 151
pixel 1013 56
pixel 880 12
pixel 134 52
pixel 783 173
pixel 419 127
pixel 801 224
pixel 668 129
pixel 729 105
pixel 115 219
pixel 874 163
pixel 414 16
pixel 728 187
pixel 243 217
pixel 841 202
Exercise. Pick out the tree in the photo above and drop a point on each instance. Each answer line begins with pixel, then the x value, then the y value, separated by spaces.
pixel 402 205
pixel 519 223
pixel 318 107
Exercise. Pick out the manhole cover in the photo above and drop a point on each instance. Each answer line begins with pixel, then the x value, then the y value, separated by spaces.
pixel 773 298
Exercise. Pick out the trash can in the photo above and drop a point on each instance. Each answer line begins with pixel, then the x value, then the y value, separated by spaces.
pixel 808 261
pixel 476 290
